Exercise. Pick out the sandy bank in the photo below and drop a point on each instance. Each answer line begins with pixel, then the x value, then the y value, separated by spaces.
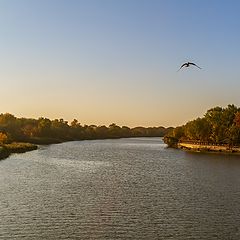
pixel 208 148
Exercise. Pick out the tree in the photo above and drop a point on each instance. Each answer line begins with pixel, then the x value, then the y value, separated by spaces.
pixel 125 131
pixel 237 119
pixel 114 131
pixel 4 138
pixel 60 129
pixel 44 127
pixel 74 123
pixel 198 129
pixel 10 124
pixel 219 125
pixel 30 131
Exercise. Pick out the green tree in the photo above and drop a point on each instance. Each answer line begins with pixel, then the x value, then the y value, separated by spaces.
pixel 44 127
pixel 198 129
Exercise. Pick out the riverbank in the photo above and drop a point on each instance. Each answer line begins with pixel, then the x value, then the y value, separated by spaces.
pixel 7 149
pixel 201 147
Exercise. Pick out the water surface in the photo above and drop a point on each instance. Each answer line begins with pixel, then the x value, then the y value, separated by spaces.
pixel 119 189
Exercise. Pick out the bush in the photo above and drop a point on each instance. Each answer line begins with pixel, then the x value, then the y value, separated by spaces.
pixel 4 138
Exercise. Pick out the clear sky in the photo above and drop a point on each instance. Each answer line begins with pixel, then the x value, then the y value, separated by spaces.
pixel 105 61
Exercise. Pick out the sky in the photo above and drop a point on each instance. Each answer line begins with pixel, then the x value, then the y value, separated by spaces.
pixel 116 61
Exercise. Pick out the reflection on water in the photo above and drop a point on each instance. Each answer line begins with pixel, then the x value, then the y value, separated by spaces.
pixel 119 189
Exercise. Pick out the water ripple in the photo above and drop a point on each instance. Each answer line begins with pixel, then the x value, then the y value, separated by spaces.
pixel 119 189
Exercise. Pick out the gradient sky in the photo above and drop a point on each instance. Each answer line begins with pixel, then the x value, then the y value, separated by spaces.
pixel 105 61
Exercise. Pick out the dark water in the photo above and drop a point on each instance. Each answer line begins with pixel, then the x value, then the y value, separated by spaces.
pixel 119 189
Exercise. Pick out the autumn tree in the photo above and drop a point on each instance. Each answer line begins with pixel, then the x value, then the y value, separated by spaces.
pixel 3 138
pixel 237 119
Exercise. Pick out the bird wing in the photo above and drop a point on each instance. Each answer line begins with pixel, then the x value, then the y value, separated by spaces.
pixel 195 65
pixel 185 64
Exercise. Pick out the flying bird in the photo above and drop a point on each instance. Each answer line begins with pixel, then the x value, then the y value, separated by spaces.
pixel 188 64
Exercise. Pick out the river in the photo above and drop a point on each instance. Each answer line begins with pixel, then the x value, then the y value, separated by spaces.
pixel 119 189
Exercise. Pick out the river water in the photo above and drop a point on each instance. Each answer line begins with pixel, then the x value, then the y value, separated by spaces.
pixel 119 189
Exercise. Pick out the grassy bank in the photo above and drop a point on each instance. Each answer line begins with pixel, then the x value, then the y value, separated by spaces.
pixel 15 147
pixel 4 153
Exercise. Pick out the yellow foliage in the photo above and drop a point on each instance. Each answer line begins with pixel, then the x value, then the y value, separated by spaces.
pixel 3 138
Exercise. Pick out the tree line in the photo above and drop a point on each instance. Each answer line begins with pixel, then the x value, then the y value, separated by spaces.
pixel 218 126
pixel 45 131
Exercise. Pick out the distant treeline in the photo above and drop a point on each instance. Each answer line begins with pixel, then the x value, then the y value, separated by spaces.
pixel 218 126
pixel 44 130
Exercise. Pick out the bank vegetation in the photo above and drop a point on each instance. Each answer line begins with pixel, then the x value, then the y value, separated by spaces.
pixel 218 127
pixel 21 134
